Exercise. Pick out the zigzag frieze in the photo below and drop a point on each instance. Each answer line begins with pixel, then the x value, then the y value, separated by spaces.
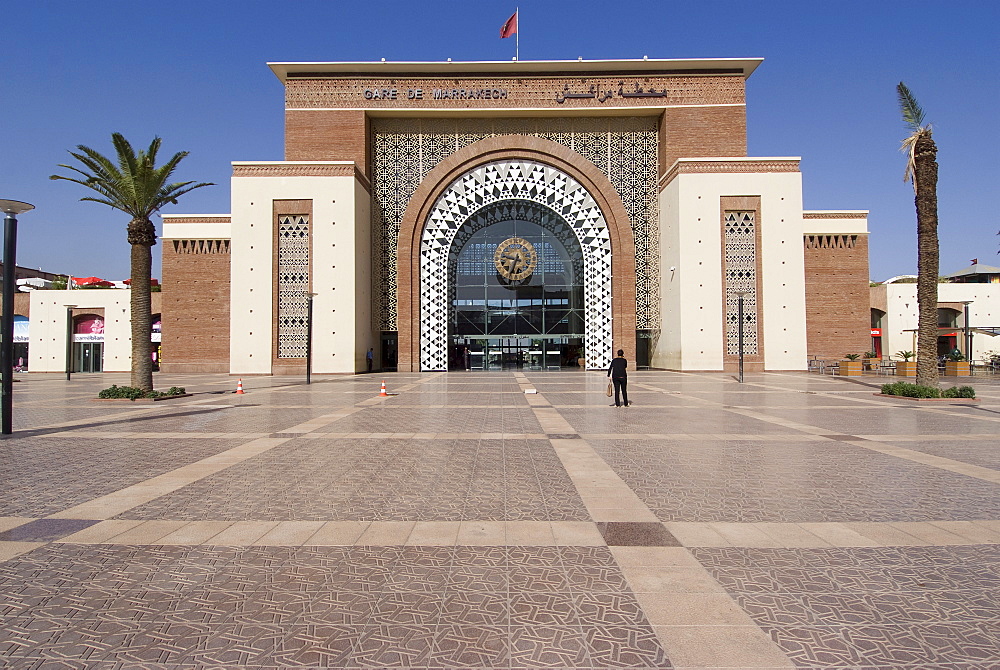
pixel 198 219
pixel 317 170
pixel 723 167
pixel 834 215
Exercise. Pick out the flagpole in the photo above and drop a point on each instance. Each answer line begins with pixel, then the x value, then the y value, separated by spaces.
pixel 517 34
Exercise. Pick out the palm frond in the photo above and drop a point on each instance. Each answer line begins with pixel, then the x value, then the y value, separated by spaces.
pixel 133 184
pixel 913 114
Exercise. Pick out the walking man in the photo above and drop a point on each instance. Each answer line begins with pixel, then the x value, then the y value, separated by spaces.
pixel 369 358
pixel 619 377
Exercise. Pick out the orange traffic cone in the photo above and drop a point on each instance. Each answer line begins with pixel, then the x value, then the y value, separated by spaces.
pixel 382 393
pixel 239 387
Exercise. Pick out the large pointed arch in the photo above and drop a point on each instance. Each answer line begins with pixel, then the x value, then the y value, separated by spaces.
pixel 584 189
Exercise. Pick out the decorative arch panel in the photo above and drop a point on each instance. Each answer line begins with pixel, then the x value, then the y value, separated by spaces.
pixel 484 187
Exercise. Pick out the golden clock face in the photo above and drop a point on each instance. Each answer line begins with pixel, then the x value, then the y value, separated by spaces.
pixel 515 258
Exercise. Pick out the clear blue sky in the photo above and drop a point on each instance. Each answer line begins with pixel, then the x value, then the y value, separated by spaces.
pixel 194 73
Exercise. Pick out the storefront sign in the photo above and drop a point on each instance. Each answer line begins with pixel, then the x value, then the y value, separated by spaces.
pixel 89 330
pixel 20 329
pixel 876 332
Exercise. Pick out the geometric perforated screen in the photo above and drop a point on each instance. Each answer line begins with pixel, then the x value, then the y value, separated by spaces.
pixel 741 277
pixel 624 148
pixel 293 285
pixel 503 184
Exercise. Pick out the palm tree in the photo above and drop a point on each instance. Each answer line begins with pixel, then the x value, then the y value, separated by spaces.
pixel 138 188
pixel 922 170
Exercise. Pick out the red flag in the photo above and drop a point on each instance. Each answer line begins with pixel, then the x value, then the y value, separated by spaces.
pixel 509 26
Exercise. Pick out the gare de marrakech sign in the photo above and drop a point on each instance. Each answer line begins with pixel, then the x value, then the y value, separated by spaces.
pixel 593 92
pixel 321 92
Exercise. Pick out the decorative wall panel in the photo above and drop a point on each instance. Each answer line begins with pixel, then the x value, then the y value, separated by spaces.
pixel 740 239
pixel 484 188
pixel 293 285
pixel 623 148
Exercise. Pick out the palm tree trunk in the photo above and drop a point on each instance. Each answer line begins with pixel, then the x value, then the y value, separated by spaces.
pixel 142 269
pixel 925 181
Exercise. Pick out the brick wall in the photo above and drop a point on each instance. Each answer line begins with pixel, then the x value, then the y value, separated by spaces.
pixel 195 308
pixel 700 132
pixel 838 318
pixel 327 135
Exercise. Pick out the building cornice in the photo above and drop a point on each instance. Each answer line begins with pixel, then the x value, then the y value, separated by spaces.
pixel 300 169
pixel 835 214
pixel 727 165
pixel 575 68
pixel 196 218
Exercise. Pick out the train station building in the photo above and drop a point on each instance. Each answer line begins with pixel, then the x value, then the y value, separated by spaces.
pixel 497 215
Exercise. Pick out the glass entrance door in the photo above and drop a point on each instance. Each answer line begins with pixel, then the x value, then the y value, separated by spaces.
pixel 88 356
pixel 517 273
pixel 516 353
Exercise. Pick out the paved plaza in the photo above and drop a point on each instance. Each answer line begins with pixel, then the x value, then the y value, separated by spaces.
pixel 499 520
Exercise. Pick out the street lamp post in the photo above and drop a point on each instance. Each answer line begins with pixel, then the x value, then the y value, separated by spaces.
pixel 968 333
pixel 740 295
pixel 309 336
pixel 10 208
pixel 69 341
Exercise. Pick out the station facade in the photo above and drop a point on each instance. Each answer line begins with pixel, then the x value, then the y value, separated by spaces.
pixel 533 214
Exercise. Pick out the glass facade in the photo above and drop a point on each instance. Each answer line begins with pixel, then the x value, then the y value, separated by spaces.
pixel 517 297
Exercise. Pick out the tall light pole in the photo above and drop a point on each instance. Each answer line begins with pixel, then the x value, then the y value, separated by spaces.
pixel 69 341
pixel 740 295
pixel 309 336
pixel 968 332
pixel 10 208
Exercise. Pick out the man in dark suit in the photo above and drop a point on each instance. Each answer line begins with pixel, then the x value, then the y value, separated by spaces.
pixel 619 377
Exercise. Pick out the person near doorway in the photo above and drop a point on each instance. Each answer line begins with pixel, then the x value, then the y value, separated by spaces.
pixel 466 358
pixel 618 373
pixel 370 358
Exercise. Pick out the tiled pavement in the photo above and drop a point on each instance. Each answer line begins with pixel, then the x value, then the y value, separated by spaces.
pixel 792 521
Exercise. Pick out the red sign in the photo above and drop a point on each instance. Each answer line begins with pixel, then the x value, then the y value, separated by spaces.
pixel 876 332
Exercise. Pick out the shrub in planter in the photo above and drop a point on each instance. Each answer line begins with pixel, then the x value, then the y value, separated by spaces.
pixel 910 390
pixel 133 393
pixel 916 391
pixel 959 392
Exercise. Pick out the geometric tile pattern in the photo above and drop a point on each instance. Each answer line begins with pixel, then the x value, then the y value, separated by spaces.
pixel 485 187
pixel 741 276
pixel 751 481
pixel 882 607
pixel 697 447
pixel 293 285
pixel 29 465
pixel 473 607
pixel 625 149
pixel 383 480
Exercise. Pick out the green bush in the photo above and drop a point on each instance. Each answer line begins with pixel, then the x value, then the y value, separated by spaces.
pixel 910 390
pixel 116 391
pixel 959 392
pixel 133 393
pixel 916 391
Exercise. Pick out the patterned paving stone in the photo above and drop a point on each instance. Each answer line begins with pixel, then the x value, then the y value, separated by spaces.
pixel 324 607
pixel 44 475
pixel 381 480
pixel 695 447
pixel 912 607
pixel 757 481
